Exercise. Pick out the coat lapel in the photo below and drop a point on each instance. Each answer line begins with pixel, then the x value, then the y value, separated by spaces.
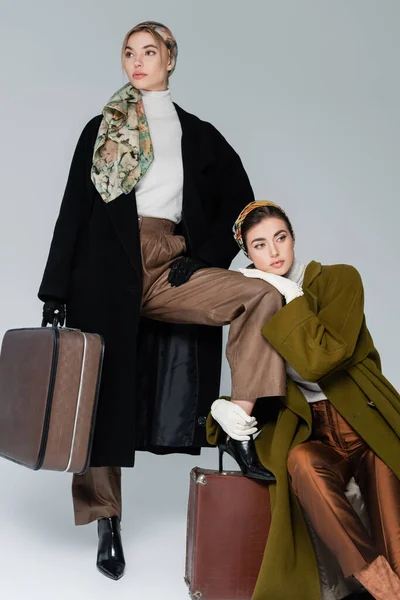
pixel 123 214
pixel 313 269
pixel 195 157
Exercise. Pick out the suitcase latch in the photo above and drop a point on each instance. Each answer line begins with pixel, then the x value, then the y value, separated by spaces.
pixel 201 479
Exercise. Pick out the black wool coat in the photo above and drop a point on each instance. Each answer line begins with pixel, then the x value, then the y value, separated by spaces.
pixel 158 379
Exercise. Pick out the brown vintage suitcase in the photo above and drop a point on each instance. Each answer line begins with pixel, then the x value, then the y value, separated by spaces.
pixel 228 523
pixel 49 383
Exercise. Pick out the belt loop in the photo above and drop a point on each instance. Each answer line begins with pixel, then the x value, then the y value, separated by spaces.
pixel 140 220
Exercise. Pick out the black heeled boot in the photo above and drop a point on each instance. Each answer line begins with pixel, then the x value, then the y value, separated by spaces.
pixel 246 457
pixel 110 554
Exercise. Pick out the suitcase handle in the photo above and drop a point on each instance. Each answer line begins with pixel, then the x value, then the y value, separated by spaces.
pixel 54 323
pixel 53 313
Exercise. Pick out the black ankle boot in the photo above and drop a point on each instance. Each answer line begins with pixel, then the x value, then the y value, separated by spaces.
pixel 246 457
pixel 110 554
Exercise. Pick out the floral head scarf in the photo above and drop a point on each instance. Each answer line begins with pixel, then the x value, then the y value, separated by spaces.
pixel 237 227
pixel 123 150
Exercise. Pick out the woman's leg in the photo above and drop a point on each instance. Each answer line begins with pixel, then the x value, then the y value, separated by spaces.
pixel 216 297
pixel 97 494
pixel 320 470
pixel 380 580
pixel 221 297
pixel 97 497
pixel 381 491
pixel 319 476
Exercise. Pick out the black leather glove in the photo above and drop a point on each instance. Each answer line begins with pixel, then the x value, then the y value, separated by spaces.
pixel 53 310
pixel 183 268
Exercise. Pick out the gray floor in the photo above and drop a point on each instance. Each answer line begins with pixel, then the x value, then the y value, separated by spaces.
pixel 44 556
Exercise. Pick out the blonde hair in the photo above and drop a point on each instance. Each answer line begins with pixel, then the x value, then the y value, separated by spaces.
pixel 155 35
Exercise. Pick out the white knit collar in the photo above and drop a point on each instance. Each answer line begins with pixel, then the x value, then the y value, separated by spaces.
pixel 157 104
pixel 296 272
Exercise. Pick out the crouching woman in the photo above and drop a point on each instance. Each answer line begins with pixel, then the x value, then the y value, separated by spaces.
pixel 340 419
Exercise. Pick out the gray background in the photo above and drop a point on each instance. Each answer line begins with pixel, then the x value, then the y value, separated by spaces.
pixel 308 94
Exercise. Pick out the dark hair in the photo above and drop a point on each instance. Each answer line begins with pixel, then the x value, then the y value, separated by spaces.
pixel 259 214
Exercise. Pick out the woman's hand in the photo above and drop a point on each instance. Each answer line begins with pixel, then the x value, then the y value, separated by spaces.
pixel 53 312
pixel 183 268
pixel 233 419
pixel 289 289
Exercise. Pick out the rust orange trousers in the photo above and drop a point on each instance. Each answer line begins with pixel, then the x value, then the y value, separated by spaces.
pixel 320 470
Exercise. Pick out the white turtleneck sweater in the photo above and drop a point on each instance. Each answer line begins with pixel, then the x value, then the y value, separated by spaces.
pixel 159 192
pixel 311 391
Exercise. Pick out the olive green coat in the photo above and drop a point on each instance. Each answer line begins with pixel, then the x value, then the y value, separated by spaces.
pixel 323 336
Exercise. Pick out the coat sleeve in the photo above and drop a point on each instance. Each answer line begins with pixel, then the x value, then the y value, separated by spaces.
pixel 234 192
pixel 75 210
pixel 315 344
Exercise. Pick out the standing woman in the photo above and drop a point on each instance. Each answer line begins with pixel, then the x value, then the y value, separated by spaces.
pixel 340 419
pixel 144 230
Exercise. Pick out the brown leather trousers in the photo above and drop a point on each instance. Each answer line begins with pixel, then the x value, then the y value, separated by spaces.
pixel 212 296
pixel 320 470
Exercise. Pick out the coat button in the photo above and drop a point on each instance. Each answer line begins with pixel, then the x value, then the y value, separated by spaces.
pixel 202 421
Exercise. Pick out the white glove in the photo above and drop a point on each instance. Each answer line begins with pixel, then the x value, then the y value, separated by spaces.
pixel 289 289
pixel 233 419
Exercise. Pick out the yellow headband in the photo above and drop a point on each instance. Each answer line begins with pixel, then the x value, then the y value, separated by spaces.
pixel 237 227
